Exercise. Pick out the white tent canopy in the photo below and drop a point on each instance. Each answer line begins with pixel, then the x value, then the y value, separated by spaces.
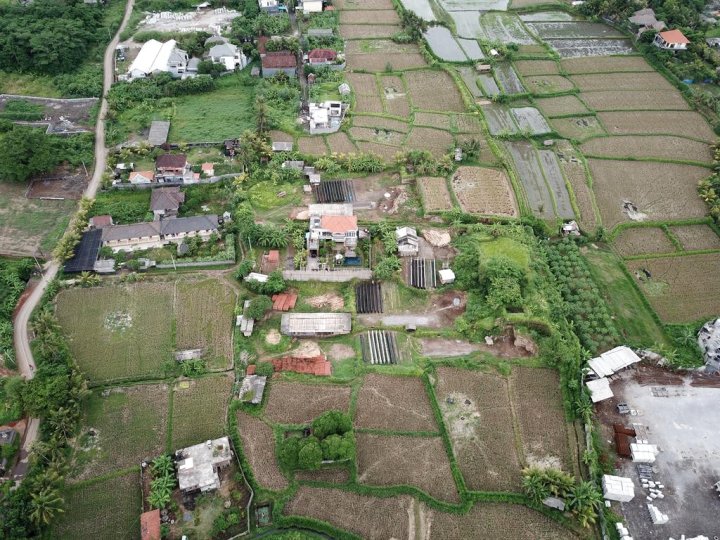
pixel 599 389
pixel 612 361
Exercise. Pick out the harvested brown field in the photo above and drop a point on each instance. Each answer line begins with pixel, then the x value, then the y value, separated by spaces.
pixel 378 62
pixel 389 460
pixel 363 84
pixel 395 404
pixel 682 289
pixel 387 46
pixel 547 84
pixel 643 240
pixel 314 146
pixel 649 146
pixel 605 64
pixel 437 142
pixel 280 136
pixel 258 445
pixel 574 170
pixel 648 81
pixel 398 106
pixel 434 194
pixel 392 85
pixel 497 520
pixel 423 88
pixel 297 403
pixel 537 67
pixel 350 5
pixel 682 123
pixel 538 404
pixel 478 415
pixel 367 517
pixel 365 31
pixel 340 143
pixel 480 190
pixel 628 100
pixel 660 191
pixel 561 106
pixel 380 122
pixel 368 16
pixel 468 123
pixel 377 135
pixel 331 475
pixel 434 120
pixel 384 151
pixel 368 104
pixel 696 237
pixel 205 312
pixel 577 127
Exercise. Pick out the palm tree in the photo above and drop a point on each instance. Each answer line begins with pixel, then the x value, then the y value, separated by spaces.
pixel 45 504
pixel 534 485
pixel 62 421
pixel 261 116
pixel 44 322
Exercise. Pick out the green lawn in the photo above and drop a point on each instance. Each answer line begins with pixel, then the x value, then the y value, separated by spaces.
pixel 214 116
pixel 634 320
pixel 106 509
pixel 505 247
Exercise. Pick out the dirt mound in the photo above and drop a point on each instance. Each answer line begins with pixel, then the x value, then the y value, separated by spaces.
pixel 273 337
pixel 307 349
pixel 436 237
pixel 330 300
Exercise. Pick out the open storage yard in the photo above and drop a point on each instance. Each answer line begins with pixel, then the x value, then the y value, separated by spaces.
pixel 681 289
pixel 484 191
pixel 389 460
pixel 258 443
pixel 394 403
pixel 297 403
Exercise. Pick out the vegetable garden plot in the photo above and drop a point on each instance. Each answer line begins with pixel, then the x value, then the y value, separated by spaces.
pixel 421 8
pixel 572 29
pixel 488 84
pixel 368 297
pixel 433 91
pixel 205 398
pixel 696 237
pixel 443 44
pixel 500 120
pixel 682 123
pixel 421 273
pixel 334 191
pixel 485 520
pixel 366 517
pixel 538 404
pixel 682 289
pixel 437 142
pixel 472 48
pixel 387 460
pixel 529 120
pixel 605 64
pixel 561 106
pixel 508 79
pixel 258 446
pixel 505 28
pixel 577 127
pixel 548 84
pixel 379 347
pixel 649 146
pixel 573 48
pixel 646 191
pixel 434 194
pixel 628 100
pixel 394 403
pixel 537 67
pixel 650 81
pixel 484 191
pixel 383 16
pixel 642 241
pixel 477 413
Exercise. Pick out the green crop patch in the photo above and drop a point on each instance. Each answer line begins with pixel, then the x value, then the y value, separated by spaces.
pixel 199 409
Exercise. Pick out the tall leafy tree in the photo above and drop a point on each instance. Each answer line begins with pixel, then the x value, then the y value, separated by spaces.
pixel 25 152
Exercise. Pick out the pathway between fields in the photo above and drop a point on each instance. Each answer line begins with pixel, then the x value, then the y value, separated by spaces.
pixel 23 353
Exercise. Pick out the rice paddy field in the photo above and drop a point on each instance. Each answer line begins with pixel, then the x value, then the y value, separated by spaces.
pixel 643 241
pixel 434 194
pixel 578 127
pixel 258 443
pixel 547 84
pixel 628 100
pixel 696 237
pixel 660 147
pixel 484 191
pixel 298 403
pixel 422 87
pixel 679 123
pixel 562 106
pixel 199 409
pixel 605 64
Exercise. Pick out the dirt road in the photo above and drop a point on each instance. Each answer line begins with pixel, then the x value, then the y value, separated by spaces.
pixel 23 353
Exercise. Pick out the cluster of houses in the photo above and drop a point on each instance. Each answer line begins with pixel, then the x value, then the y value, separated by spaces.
pixel 169 169
pixel 670 40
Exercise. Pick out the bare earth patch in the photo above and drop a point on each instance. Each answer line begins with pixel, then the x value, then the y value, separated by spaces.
pixel 481 190
pixel 297 403
pixel 332 301
pixel 258 443
pixel 273 337
pixel 340 351
pixel 642 240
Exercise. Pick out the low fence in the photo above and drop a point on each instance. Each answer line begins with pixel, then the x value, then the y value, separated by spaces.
pixel 327 275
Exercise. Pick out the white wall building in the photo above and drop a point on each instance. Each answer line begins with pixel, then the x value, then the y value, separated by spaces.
pixel 312 6
pixel 156 57
pixel 228 55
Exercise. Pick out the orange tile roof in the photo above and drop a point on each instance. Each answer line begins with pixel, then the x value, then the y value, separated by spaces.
pixel 674 36
pixel 150 525
pixel 149 175
pixel 339 224
pixel 208 166
pixel 250 370
pixel 273 256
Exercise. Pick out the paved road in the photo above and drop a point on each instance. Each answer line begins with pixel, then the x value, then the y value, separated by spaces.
pixel 23 353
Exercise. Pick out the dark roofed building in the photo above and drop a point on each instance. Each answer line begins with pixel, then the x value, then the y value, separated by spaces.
pixel 202 225
pixel 153 234
pixel 171 162
pixel 279 62
pixel 165 202
pixel 321 56
pixel 86 252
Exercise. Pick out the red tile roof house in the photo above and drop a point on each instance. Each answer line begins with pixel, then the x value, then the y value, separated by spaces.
pixel 141 177
pixel 208 169
pixel 672 40
pixel 342 229
pixel 321 57
pixel 279 62
pixel 173 168
pixel 150 525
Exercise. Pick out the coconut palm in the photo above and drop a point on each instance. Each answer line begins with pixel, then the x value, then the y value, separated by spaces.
pixel 45 505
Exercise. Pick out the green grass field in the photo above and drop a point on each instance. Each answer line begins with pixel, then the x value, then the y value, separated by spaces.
pixel 106 509
pixel 130 426
pixel 119 332
pixel 506 247
pixel 214 116
pixel 634 320
pixel 199 410
pixel 28 85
